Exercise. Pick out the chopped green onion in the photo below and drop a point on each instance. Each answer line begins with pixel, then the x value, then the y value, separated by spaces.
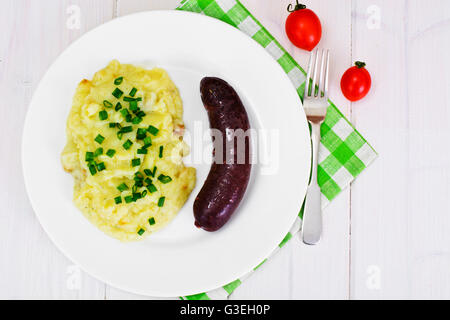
pixel 112 124
pixel 118 81
pixel 133 105
pixel 141 134
pixel 151 221
pixel 119 135
pixel 118 106
pixel 161 149
pixel 142 151
pixel 154 171
pixel 147 142
pixel 148 172
pixel 103 115
pixel 127 145
pixel 122 187
pixel 136 120
pixel 135 162
pixel 138 175
pixel 128 199
pixel 89 156
pixel 129 118
pixel 117 93
pixel 124 112
pixel 101 166
pixel 98 152
pixel 118 199
pixel 148 181
pixel 110 153
pixel 134 189
pixel 144 193
pixel 153 131
pixel 99 138
pixel 161 201
pixel 140 114
pixel 139 183
pixel 133 92
pixel 129 99
pixel 126 129
pixel 141 232
pixel 151 188
pixel 107 104
pixel 92 169
pixel 137 196
pixel 164 179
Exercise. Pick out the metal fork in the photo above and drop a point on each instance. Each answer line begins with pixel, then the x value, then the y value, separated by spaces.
pixel 315 104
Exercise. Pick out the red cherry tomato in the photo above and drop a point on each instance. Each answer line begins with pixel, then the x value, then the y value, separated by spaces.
pixel 303 27
pixel 356 82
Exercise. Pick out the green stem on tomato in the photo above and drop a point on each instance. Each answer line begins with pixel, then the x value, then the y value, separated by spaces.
pixel 360 64
pixel 297 7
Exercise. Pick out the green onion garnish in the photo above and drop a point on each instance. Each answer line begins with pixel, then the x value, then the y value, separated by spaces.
pixel 118 199
pixel 112 124
pixel 133 92
pixel 126 129
pixel 151 188
pixel 148 172
pixel 153 131
pixel 154 171
pixel 110 153
pixel 141 133
pixel 148 181
pixel 144 193
pixel 119 135
pixel 151 221
pixel 164 179
pixel 92 169
pixel 161 149
pixel 147 142
pixel 103 115
pixel 141 232
pixel 135 162
pixel 133 105
pixel 122 187
pixel 137 196
pixel 161 201
pixel 101 166
pixel 127 145
pixel 124 112
pixel 142 151
pixel 138 175
pixel 139 183
pixel 98 152
pixel 129 99
pixel 99 138
pixel 89 156
pixel 117 93
pixel 107 104
pixel 140 114
pixel 128 199
pixel 118 81
pixel 129 118
pixel 134 189
pixel 118 106
pixel 136 120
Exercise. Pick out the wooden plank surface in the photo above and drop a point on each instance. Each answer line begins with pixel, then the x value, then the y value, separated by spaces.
pixel 386 237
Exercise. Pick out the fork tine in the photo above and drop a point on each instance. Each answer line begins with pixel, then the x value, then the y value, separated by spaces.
pixel 325 91
pixel 322 75
pixel 313 88
pixel 308 75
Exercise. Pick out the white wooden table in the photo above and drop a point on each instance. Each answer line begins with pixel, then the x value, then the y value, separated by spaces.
pixel 388 236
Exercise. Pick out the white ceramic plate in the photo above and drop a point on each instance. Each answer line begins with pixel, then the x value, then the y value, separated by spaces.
pixel 181 259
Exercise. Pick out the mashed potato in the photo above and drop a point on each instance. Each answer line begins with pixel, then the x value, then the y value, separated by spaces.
pixel 125 149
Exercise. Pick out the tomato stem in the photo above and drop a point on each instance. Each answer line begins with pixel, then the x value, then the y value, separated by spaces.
pixel 360 64
pixel 297 7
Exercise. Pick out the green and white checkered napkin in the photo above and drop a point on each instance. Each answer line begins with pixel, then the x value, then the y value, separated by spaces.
pixel 343 153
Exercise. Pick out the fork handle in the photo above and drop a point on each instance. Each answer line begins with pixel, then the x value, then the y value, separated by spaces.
pixel 312 215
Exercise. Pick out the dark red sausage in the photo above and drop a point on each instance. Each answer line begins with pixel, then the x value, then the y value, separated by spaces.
pixel 230 172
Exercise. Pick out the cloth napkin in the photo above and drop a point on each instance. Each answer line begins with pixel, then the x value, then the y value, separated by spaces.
pixel 343 153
